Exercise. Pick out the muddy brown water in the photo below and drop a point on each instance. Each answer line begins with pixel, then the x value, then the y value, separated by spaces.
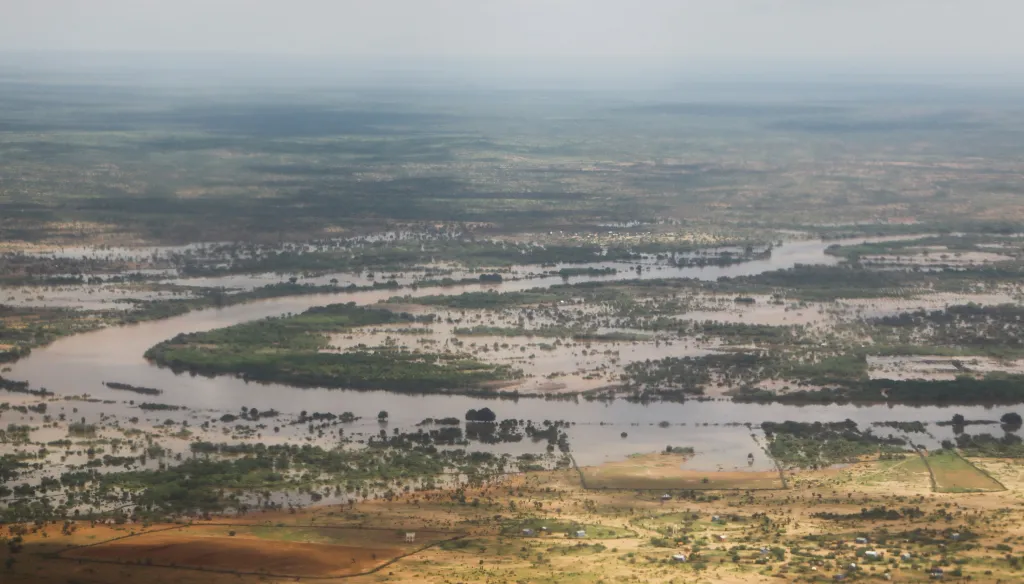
pixel 79 364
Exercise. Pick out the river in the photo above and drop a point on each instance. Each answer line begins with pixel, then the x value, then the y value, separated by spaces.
pixel 79 364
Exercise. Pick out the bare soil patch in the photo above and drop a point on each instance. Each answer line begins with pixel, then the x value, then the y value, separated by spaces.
pixel 286 551
pixel 664 471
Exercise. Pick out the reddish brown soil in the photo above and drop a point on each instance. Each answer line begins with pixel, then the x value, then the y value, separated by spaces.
pixel 239 554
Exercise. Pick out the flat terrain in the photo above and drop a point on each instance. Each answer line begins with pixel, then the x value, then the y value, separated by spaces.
pixel 805 534
pixel 284 551
pixel 954 474
pixel 199 383
pixel 665 471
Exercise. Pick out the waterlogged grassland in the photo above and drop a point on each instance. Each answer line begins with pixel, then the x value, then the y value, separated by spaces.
pixel 806 445
pixel 292 350
pixel 22 329
pixel 659 339
pixel 558 349
pixel 933 251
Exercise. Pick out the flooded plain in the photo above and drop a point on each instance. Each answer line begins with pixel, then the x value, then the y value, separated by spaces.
pixel 78 365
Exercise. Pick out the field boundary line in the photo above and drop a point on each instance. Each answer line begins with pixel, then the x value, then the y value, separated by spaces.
pixel 931 473
pixel 768 453
pixel 119 538
pixel 583 483
pixel 977 468
pixel 57 555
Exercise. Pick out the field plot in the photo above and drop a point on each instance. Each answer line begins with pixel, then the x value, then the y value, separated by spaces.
pixel 908 473
pixel 250 549
pixel 665 471
pixel 953 474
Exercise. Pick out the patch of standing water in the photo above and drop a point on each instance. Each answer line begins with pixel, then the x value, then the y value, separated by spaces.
pixel 79 364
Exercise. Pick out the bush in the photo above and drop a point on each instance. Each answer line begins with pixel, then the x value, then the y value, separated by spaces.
pixel 481 415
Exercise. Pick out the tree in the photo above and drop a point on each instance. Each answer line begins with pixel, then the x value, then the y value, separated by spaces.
pixel 958 424
pixel 481 415
pixel 1011 421
pixel 382 416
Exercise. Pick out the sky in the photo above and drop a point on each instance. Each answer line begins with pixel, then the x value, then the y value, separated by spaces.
pixel 962 36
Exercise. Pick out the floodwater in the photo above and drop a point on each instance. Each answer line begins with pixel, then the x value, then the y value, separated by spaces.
pixel 79 364
pixel 548 364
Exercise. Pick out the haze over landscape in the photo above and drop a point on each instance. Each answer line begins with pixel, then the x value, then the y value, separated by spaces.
pixel 832 39
pixel 469 291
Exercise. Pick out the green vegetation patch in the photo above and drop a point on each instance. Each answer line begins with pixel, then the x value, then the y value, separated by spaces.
pixel 819 445
pixel 290 350
pixel 988 446
pixel 953 474
pixel 829 283
pixel 973 329
pixel 939 245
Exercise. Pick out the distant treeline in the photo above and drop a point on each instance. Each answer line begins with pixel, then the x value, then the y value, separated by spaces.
pixel 132 388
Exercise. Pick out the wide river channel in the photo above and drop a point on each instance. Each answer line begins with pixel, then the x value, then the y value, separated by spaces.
pixel 79 364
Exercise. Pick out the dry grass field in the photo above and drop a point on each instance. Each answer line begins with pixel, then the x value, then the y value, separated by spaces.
pixel 665 471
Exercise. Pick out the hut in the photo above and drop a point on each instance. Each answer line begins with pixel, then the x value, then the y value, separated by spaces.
pixel 410 537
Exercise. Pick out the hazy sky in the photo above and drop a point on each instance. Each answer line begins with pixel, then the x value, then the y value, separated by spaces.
pixel 958 34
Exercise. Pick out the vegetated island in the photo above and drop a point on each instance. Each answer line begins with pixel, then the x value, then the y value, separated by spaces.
pixel 295 350
pixel 132 388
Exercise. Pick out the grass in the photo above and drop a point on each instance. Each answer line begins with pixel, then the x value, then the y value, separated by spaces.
pixel 557 528
pixel 291 350
pixel 665 472
pixel 909 471
pixel 694 522
pixel 954 474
